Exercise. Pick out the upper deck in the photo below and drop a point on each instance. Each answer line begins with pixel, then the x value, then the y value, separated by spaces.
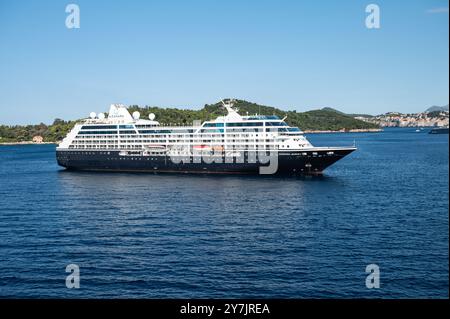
pixel 120 119
pixel 121 130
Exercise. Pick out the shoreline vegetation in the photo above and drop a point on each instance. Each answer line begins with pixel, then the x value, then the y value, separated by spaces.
pixel 356 130
pixel 325 120
pixel 28 143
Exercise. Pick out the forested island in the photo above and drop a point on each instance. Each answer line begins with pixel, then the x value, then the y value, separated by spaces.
pixel 326 119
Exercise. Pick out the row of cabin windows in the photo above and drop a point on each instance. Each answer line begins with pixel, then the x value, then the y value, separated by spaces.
pixel 242 124
pixel 99 127
pixel 97 132
pixel 238 124
pixel 165 131
pixel 105 134
pixel 231 139
pixel 239 149
pixel 237 143
pixel 106 127
pixel 173 137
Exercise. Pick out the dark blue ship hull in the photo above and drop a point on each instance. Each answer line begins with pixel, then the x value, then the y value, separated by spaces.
pixel 312 161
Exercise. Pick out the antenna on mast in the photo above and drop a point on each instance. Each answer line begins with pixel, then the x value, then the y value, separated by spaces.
pixel 228 105
pixel 233 114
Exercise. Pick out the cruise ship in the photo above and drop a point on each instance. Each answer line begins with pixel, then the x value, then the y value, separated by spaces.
pixel 230 144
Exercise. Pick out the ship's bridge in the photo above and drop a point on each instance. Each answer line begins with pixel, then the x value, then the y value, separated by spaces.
pixel 260 117
pixel 266 123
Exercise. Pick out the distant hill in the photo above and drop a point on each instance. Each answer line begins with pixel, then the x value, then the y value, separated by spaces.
pixel 324 119
pixel 328 119
pixel 333 110
pixel 361 115
pixel 435 108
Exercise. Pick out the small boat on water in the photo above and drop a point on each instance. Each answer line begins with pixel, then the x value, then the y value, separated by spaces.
pixel 439 130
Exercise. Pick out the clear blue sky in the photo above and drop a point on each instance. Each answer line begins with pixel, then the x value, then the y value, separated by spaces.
pixel 289 54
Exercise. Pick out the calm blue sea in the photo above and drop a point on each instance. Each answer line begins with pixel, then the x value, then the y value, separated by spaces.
pixel 189 236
